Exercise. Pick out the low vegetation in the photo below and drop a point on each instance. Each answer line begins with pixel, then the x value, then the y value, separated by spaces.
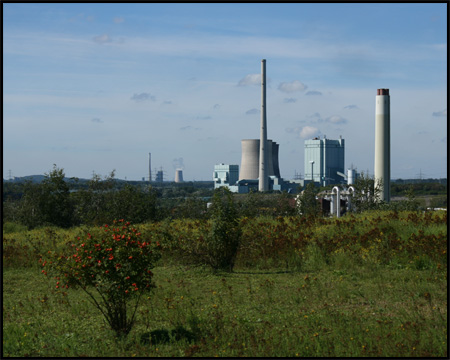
pixel 372 284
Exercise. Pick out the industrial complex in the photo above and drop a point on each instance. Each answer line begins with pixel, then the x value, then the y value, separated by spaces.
pixel 324 159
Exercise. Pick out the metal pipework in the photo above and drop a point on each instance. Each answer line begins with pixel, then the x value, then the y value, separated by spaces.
pixel 382 167
pixel 336 201
pixel 263 184
pixel 351 192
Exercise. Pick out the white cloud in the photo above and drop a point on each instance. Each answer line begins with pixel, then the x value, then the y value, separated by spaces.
pixel 292 86
pixel 305 132
pixel 336 119
pixel 251 79
pixel 290 100
pixel 118 20
pixel 308 132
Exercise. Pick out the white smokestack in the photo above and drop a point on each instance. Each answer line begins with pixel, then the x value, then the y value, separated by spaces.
pixel 263 184
pixel 383 144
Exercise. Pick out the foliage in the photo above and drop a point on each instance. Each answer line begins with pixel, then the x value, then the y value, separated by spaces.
pixel 112 265
pixel 225 235
pixel 256 204
pixel 371 284
pixel 367 194
pixel 308 204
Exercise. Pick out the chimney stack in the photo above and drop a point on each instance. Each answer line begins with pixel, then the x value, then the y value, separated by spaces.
pixel 382 168
pixel 263 184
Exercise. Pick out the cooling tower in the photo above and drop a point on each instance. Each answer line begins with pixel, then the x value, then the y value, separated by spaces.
pixel 263 146
pixel 178 175
pixel 382 170
pixel 250 159
pixel 276 168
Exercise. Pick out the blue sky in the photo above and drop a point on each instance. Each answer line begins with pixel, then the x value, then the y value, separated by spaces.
pixel 96 87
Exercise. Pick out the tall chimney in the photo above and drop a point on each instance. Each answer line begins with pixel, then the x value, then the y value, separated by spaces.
pixel 263 184
pixel 149 167
pixel 382 169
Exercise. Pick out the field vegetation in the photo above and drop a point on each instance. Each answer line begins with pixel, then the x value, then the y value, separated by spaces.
pixel 372 284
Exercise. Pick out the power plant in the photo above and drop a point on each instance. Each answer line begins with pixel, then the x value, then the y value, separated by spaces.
pixel 382 168
pixel 259 161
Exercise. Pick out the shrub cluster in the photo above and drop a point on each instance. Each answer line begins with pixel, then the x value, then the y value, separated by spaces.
pixel 112 265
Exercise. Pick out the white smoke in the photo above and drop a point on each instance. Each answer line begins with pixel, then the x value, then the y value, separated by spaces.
pixel 178 163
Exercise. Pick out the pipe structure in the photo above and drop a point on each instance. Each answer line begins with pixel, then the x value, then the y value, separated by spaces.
pixel 383 144
pixel 351 192
pixel 263 184
pixel 336 201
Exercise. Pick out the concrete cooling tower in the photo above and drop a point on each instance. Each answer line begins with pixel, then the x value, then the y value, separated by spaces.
pixel 178 175
pixel 250 159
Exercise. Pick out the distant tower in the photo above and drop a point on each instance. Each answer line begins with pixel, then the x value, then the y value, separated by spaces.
pixel 178 175
pixel 382 169
pixel 263 163
pixel 160 176
pixel 149 166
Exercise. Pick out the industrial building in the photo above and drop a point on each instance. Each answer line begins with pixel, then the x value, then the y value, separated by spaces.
pixel 324 159
pixel 225 175
pixel 259 161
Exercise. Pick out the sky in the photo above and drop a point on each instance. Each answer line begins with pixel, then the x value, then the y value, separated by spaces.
pixel 94 88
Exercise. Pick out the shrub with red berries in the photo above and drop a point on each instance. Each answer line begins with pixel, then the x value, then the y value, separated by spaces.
pixel 112 264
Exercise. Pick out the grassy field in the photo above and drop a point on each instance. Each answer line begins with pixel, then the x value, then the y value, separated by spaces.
pixel 372 285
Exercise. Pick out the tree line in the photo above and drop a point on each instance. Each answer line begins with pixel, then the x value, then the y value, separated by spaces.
pixel 57 202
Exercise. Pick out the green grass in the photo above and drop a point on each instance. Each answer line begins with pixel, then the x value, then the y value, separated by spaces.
pixel 343 309
pixel 298 289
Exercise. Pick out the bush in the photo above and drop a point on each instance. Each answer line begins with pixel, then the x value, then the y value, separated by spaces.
pixel 224 238
pixel 112 265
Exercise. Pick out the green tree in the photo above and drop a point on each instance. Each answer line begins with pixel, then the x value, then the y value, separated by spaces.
pixel 132 203
pixel 91 203
pixel 367 194
pixel 225 235
pixel 308 205
pixel 57 207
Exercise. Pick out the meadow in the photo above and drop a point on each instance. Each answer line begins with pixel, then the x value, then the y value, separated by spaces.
pixel 366 285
